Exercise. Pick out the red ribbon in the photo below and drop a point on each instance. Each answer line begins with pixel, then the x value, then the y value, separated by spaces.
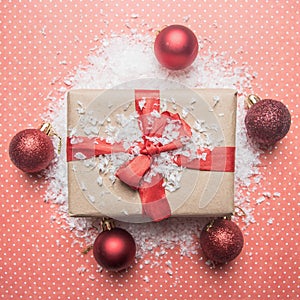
pixel 152 193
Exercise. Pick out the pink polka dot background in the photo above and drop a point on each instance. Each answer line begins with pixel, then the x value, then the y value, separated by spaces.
pixel 41 43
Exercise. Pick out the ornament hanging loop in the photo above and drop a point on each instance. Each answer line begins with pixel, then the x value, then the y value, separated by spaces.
pixel 210 225
pixel 48 130
pixel 238 211
pixel 252 99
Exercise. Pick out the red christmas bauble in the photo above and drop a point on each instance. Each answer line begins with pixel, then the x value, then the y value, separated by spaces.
pixel 31 150
pixel 267 122
pixel 176 47
pixel 222 241
pixel 114 249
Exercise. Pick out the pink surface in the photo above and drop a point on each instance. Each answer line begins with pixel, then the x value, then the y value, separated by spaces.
pixel 40 44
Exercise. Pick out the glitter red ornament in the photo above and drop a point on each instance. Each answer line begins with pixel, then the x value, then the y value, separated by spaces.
pixel 221 241
pixel 114 249
pixel 176 47
pixel 267 121
pixel 32 150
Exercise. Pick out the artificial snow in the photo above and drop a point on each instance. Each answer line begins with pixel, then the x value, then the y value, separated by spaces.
pixel 119 61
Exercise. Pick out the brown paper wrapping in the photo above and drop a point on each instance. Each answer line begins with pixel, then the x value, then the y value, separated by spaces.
pixel 202 193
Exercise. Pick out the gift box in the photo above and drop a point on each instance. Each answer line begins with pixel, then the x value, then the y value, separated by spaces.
pixel 146 155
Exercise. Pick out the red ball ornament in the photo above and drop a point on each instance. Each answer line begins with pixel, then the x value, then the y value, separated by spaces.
pixel 114 249
pixel 31 150
pixel 176 47
pixel 221 241
pixel 267 121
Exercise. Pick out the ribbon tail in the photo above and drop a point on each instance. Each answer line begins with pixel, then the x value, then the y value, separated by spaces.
pixel 154 201
pixel 132 172
pixel 220 159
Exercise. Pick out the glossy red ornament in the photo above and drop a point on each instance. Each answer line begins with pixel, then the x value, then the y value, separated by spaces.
pixel 221 241
pixel 31 150
pixel 176 47
pixel 114 248
pixel 267 121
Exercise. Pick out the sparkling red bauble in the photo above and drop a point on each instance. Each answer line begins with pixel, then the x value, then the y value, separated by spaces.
pixel 267 122
pixel 114 249
pixel 176 47
pixel 222 242
pixel 31 150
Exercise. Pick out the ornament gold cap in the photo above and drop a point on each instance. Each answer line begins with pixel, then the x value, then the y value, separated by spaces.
pixel 107 224
pixel 228 217
pixel 252 99
pixel 157 31
pixel 48 130
pixel 211 223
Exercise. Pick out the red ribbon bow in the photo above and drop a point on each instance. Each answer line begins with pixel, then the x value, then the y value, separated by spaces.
pixel 152 124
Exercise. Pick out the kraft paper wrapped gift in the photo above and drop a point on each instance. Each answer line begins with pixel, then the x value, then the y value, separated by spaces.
pixel 145 155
